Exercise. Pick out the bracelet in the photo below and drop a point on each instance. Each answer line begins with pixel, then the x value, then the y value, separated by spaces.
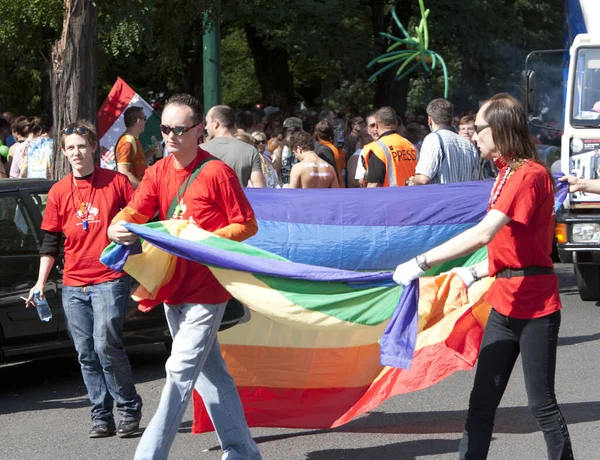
pixel 473 271
pixel 422 262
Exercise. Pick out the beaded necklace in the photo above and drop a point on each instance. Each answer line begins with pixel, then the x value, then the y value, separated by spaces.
pixel 498 188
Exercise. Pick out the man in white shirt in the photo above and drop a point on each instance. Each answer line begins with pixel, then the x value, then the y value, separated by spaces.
pixel 445 157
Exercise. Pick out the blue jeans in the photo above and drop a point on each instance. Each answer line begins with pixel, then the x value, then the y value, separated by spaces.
pixel 196 360
pixel 94 315
pixel 503 340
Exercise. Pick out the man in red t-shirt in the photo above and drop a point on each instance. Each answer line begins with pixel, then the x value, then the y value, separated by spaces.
pixel 208 193
pixel 94 297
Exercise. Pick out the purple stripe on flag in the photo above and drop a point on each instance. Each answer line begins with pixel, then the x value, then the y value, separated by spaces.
pixel 388 206
pixel 400 336
pixel 198 252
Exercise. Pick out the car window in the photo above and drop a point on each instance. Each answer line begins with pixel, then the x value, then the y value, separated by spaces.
pixel 40 201
pixel 17 234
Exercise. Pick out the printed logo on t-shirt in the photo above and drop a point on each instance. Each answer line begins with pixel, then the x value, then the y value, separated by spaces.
pixel 88 212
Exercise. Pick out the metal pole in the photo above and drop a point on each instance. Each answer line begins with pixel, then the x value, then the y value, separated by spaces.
pixel 211 43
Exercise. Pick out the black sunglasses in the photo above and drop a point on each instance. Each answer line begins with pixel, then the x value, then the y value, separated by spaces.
pixel 372 125
pixel 81 130
pixel 479 128
pixel 260 142
pixel 177 130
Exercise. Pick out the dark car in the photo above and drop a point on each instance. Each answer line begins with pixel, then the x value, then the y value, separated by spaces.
pixel 22 334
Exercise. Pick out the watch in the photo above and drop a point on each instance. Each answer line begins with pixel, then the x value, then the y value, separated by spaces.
pixel 473 270
pixel 422 263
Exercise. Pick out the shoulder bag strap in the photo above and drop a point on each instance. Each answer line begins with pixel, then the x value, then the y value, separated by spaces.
pixel 193 176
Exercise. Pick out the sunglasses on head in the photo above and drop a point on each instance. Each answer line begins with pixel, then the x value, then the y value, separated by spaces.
pixel 177 130
pixel 479 128
pixel 81 130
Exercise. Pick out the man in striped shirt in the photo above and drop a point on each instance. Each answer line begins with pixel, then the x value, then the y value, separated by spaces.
pixel 445 157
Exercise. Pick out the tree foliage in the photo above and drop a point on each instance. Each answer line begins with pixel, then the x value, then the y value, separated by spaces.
pixel 290 50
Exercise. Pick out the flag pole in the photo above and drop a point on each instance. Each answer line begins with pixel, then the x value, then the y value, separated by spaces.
pixel 211 56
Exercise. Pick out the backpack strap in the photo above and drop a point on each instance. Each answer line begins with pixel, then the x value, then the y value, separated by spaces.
pixel 441 145
pixel 193 176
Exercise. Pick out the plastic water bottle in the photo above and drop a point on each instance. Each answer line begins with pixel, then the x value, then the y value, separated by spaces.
pixel 42 307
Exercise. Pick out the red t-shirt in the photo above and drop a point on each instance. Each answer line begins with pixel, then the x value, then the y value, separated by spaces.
pixel 528 199
pixel 70 201
pixel 214 200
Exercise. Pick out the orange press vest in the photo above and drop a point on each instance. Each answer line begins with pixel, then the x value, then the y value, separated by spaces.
pixel 398 155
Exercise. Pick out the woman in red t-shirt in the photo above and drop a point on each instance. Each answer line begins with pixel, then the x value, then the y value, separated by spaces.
pixel 525 315
pixel 94 297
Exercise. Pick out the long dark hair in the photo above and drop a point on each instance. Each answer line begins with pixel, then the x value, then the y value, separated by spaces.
pixel 510 131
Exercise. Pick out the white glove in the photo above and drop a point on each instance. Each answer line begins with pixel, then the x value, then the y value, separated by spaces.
pixel 407 272
pixel 465 274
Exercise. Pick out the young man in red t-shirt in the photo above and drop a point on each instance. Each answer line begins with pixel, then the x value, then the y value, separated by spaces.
pixel 194 300
pixel 94 297
pixel 525 315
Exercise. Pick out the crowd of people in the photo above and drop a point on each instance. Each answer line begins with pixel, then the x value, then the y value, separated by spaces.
pixel 199 174
pixel 293 151
pixel 268 159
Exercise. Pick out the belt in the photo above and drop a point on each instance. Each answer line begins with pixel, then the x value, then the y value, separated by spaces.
pixel 527 271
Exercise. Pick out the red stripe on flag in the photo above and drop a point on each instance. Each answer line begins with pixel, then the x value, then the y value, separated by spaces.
pixel 332 407
pixel 116 102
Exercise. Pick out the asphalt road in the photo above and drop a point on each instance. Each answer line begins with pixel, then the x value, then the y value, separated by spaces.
pixel 44 412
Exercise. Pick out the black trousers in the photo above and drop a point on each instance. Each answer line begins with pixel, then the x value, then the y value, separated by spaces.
pixel 504 338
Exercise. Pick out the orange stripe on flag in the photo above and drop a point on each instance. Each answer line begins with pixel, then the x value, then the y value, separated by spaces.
pixel 252 366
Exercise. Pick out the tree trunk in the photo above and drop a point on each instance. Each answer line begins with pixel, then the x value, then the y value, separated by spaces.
pixel 46 85
pixel 74 77
pixel 389 91
pixel 193 76
pixel 272 71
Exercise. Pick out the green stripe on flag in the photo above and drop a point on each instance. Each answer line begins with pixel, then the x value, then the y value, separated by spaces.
pixel 369 306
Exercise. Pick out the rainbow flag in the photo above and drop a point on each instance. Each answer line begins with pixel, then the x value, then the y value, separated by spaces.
pixel 331 336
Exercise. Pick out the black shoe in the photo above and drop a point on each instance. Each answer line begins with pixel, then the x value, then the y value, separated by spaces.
pixel 102 430
pixel 127 428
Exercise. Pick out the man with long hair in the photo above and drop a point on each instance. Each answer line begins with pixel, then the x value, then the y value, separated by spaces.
pixel 525 315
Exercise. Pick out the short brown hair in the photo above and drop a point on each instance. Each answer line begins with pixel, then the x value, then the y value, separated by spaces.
pixel 90 136
pixel 466 119
pixel 386 116
pixel 187 100
pixel 441 111
pixel 131 115
pixel 324 130
pixel 224 114
pixel 303 140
